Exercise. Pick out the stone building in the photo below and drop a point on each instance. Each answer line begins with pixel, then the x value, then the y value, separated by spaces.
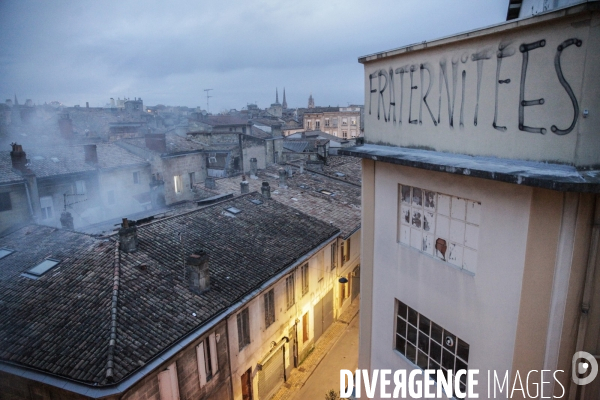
pixel 481 210
pixel 342 122
pixel 172 309
pixel 93 182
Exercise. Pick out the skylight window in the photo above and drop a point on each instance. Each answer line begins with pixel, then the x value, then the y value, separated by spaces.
pixel 327 192
pixel 54 159
pixel 5 252
pixel 42 267
pixel 256 201
pixel 233 210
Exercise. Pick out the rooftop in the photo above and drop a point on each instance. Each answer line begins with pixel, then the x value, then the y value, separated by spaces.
pixel 61 322
pixel 341 208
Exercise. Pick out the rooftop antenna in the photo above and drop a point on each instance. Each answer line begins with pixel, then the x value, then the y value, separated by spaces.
pixel 207 97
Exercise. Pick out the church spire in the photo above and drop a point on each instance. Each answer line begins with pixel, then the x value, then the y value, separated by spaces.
pixel 16 101
pixel 284 105
pixel 276 96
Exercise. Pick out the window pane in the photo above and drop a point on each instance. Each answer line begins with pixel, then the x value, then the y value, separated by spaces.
pixel 401 326
pixel 448 360
pixel 462 350
pixel 433 365
pixel 460 365
pixel 417 199
pixel 411 352
pixel 436 332
pixel 400 344
pixel 435 351
pixel 423 342
pixel 402 309
pixel 405 194
pixel 424 324
pixel 422 360
pixel 412 316
pixel 412 334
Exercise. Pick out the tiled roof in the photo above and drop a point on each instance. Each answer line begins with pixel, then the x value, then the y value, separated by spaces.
pixel 175 143
pixel 342 209
pixel 7 175
pixel 60 323
pixel 71 159
pixel 297 146
pixel 259 133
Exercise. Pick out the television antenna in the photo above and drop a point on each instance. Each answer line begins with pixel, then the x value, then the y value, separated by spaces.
pixel 207 97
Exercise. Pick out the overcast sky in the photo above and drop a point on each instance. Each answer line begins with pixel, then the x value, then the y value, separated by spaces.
pixel 168 52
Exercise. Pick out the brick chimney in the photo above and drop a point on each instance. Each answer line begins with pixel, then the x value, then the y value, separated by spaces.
pixel 156 142
pixel 18 157
pixel 266 190
pixel 128 237
pixel 91 154
pixel 66 220
pixel 197 272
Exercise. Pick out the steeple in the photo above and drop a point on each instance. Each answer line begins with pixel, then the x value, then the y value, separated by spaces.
pixel 311 102
pixel 284 105
pixel 16 101
pixel 276 96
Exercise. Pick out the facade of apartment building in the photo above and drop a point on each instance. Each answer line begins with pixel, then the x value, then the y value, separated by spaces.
pixel 343 122
pixel 480 203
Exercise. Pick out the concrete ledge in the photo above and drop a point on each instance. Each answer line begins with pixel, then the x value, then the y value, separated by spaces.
pixel 564 178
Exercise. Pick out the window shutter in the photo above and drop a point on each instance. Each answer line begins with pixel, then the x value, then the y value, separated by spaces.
pixel 201 364
pixel 167 383
pixel 213 352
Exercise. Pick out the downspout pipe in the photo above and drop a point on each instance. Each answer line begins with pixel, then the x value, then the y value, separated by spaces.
pixel 29 201
pixel 588 290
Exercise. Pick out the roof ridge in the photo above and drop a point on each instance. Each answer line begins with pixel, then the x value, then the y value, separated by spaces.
pixel 113 315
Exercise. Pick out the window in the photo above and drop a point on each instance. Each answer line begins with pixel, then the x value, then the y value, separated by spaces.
pixel 192 179
pixel 345 251
pixel 335 122
pixel 305 328
pixel 5 203
pixel 353 122
pixel 308 125
pixel 318 124
pixel 333 256
pixel 326 121
pixel 344 290
pixel 136 178
pixel 353 132
pixel 42 267
pixel 290 291
pixel 47 207
pixel 345 134
pixel 110 196
pixel 168 386
pixel 178 184
pixel 442 226
pixel 269 298
pixel 243 324
pixel 206 354
pixel 79 187
pixel 5 252
pixel 304 273
pixel 428 345
pixel 344 121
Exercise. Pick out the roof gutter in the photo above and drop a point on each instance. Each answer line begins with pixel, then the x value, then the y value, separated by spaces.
pixel 96 392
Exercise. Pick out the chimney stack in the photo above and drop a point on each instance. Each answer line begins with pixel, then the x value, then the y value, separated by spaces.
pixel 18 157
pixel 282 178
pixel 210 183
pixel 156 142
pixel 197 272
pixel 91 154
pixel 66 220
pixel 244 186
pixel 128 237
pixel 253 168
pixel 266 190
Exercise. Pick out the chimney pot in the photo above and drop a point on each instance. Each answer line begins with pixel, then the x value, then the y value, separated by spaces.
pixel 91 154
pixel 253 167
pixel 66 220
pixel 197 272
pixel 128 237
pixel 18 157
pixel 282 178
pixel 266 190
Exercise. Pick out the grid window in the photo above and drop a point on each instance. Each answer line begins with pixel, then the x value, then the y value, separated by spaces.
pixel 177 183
pixel 304 272
pixel 428 345
pixel 269 307
pixel 442 226
pixel 243 324
pixel 318 124
pixel 326 121
pixel 80 187
pixel 290 291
